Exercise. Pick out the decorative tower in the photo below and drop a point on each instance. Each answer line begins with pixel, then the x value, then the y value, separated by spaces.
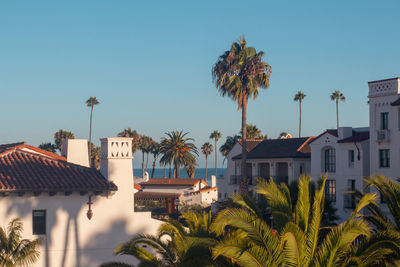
pixel 116 166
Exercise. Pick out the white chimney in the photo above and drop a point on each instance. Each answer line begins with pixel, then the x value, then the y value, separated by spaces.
pixel 76 151
pixel 116 166
pixel 345 132
pixel 213 181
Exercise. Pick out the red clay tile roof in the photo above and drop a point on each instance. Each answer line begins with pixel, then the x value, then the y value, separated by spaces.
pixel 41 171
pixel 142 195
pixel 396 103
pixel 178 181
pixel 24 146
pixel 208 188
pixel 137 186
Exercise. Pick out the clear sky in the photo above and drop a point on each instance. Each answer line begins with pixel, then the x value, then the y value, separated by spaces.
pixel 149 63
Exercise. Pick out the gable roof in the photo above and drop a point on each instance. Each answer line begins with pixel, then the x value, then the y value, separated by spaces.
pixel 251 143
pixel 174 181
pixel 357 135
pixel 281 148
pixel 24 168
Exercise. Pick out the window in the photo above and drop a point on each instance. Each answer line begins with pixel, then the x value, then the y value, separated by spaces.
pixel 330 190
pixel 349 201
pixel 384 120
pixel 384 158
pixel 351 158
pixel 39 222
pixel 330 160
pixel 219 195
pixel 301 168
pixel 226 195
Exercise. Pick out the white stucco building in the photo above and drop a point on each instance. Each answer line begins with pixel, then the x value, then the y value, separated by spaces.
pixel 51 195
pixel 384 119
pixel 344 155
pixel 282 159
pixel 188 191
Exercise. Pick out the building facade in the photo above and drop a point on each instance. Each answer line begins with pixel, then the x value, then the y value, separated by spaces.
pixel 344 156
pixel 384 119
pixel 282 159
pixel 82 214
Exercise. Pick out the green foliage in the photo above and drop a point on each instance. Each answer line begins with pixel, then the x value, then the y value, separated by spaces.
pixel 15 251
pixel 135 138
pixel 60 136
pixel 48 147
pixel 178 150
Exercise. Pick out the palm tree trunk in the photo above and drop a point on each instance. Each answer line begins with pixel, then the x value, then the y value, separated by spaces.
pixel 337 113
pixel 154 167
pixel 142 164
pixel 178 171
pixel 90 136
pixel 243 182
pixel 147 160
pixel 300 120
pixel 165 171
pixel 215 157
pixel 206 167
pixel 169 176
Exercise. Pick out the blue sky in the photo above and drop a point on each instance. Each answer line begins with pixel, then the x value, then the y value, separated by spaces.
pixel 149 63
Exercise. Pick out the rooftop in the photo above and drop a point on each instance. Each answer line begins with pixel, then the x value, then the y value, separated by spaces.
pixel 281 148
pixel 174 181
pixel 24 168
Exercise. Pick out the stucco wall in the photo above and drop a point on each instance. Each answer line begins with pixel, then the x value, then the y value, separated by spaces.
pixel 343 172
pixel 72 239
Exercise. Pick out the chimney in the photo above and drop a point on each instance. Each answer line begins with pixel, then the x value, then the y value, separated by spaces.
pixel 116 166
pixel 76 151
pixel 345 132
pixel 213 181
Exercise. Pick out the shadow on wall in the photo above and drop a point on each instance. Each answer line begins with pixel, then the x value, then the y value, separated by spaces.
pixel 24 206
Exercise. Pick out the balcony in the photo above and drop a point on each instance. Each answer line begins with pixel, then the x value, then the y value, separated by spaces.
pixel 382 136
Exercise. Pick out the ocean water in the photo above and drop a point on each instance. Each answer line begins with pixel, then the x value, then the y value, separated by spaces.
pixel 200 173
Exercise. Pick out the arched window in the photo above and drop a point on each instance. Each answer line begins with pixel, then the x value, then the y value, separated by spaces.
pixel 329 160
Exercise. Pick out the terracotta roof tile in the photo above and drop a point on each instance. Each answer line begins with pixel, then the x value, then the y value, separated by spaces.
pixel 178 181
pixel 38 171
pixel 141 195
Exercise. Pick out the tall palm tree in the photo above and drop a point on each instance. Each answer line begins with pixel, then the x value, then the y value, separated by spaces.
pixel 206 149
pixel 336 96
pixel 60 136
pixel 299 98
pixel 178 150
pixel 238 74
pixel 252 242
pixel 216 136
pixel 91 102
pixel 136 138
pixel 15 251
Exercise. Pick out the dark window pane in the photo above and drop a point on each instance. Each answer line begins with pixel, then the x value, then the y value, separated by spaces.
pixel 39 222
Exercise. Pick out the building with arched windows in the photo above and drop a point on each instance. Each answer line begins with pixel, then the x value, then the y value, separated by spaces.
pixel 344 156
